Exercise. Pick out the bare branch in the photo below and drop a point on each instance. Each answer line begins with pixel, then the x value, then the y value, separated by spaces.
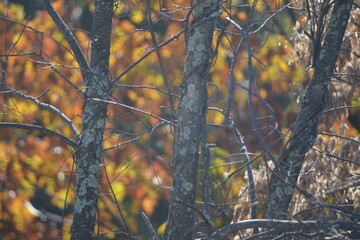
pixel 161 63
pixel 340 108
pixel 206 155
pixel 132 108
pixel 40 129
pixel 53 67
pixel 339 136
pixel 24 25
pixel 243 150
pixel 121 144
pixel 230 79
pixel 344 187
pixel 271 17
pixel 115 199
pixel 251 93
pixel 79 55
pixel 148 87
pixel 283 225
pixel 48 107
pixel 145 55
pixel 150 227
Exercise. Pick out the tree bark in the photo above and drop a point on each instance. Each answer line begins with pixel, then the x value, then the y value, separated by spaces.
pixel 305 128
pixel 88 155
pixel 191 120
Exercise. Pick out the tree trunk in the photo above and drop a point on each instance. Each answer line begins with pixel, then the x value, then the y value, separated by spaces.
pixel 305 128
pixel 191 120
pixel 88 155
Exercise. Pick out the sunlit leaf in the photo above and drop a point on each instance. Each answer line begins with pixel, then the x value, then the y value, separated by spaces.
pixel 161 229
pixel 119 190
pixel 137 17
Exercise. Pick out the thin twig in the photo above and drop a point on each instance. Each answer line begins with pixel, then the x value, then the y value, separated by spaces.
pixel 161 63
pixel 115 199
pixel 344 187
pixel 66 197
pixel 148 87
pixel 207 159
pixel 145 55
pixel 53 67
pixel 339 108
pixel 24 25
pixel 79 55
pixel 282 224
pixel 243 150
pixel 121 144
pixel 230 79
pixel 132 108
pixel 48 107
pixel 338 136
pixel 149 226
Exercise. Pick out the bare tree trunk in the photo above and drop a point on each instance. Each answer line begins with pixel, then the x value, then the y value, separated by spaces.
pixel 191 120
pixel 88 155
pixel 313 103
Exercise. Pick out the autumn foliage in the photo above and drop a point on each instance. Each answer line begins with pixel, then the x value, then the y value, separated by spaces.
pixel 37 170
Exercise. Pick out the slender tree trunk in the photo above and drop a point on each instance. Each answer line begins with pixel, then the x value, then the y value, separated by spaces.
pixel 88 156
pixel 313 103
pixel 191 120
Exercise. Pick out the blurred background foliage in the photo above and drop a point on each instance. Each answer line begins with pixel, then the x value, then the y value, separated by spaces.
pixel 37 182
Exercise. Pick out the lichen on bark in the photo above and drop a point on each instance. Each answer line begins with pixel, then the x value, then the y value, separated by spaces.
pixel 88 155
pixel 191 121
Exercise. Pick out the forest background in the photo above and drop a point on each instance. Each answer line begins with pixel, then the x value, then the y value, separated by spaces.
pixel 37 167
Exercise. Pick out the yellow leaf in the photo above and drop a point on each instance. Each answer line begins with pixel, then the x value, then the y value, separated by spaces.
pixel 161 229
pixel 132 95
pixel 137 17
pixel 155 96
pixel 262 93
pixel 166 53
pixel 119 190
pixel 218 222
pixel 218 118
